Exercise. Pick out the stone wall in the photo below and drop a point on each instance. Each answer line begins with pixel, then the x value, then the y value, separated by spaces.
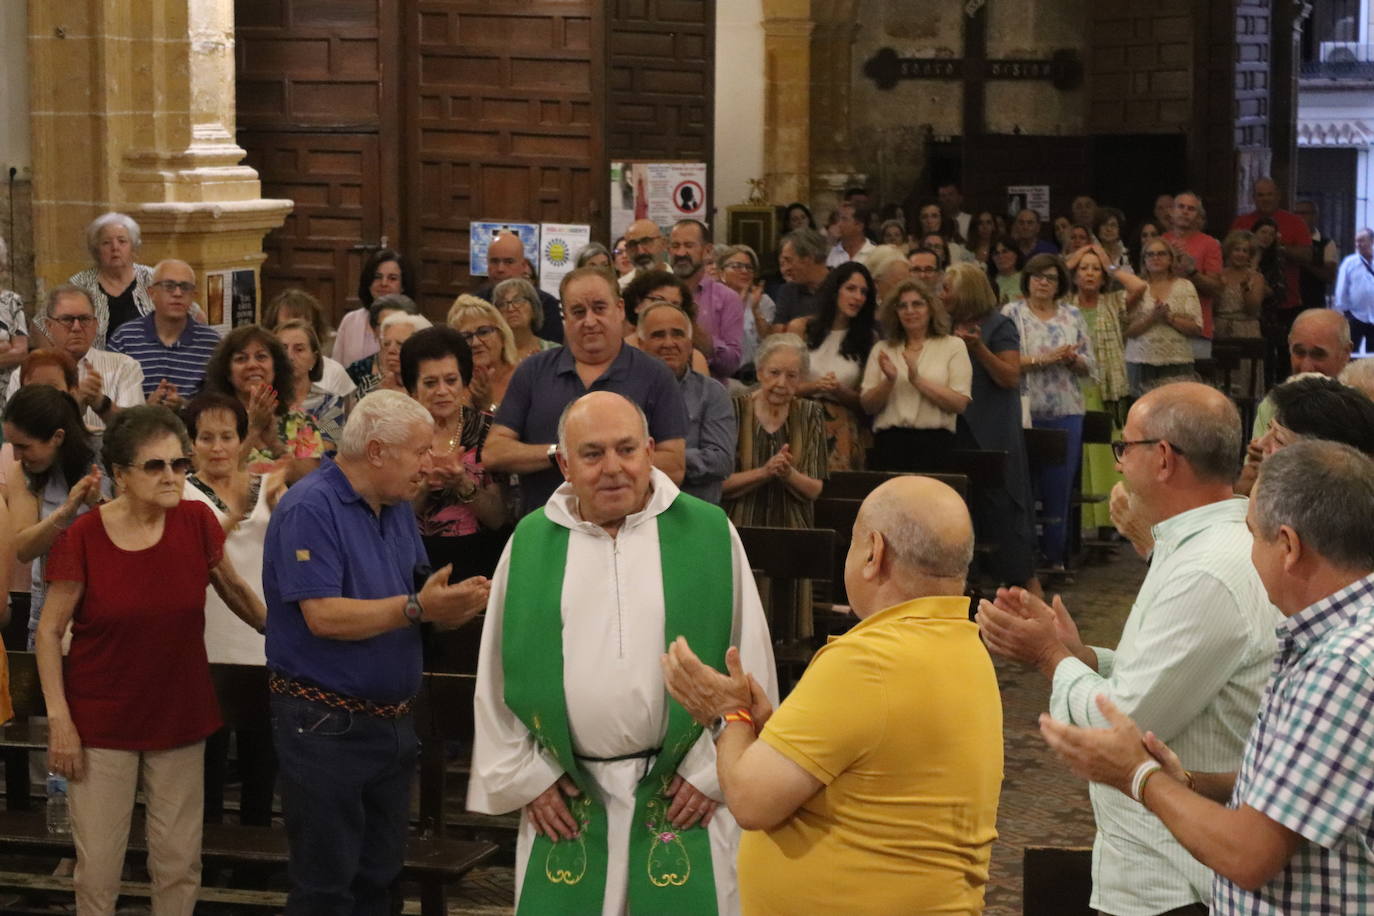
pixel 739 104
pixel 17 230
pixel 892 127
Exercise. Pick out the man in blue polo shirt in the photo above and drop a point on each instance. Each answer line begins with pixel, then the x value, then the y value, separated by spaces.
pixel 171 346
pixel 347 585
pixel 594 357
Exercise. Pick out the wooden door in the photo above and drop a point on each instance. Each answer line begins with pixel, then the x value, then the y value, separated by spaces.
pixel 502 122
pixel 316 122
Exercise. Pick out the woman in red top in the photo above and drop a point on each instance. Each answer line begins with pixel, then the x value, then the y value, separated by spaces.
pixel 133 700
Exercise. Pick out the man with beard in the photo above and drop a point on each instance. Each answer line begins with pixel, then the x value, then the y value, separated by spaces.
pixel 719 328
pixel 645 246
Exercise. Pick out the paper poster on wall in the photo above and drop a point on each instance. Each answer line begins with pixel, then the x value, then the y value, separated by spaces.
pixel 217 304
pixel 559 244
pixel 1028 197
pixel 664 192
pixel 245 298
pixel 480 235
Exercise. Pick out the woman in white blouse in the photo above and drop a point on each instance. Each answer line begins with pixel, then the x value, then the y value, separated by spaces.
pixel 917 382
pixel 1159 327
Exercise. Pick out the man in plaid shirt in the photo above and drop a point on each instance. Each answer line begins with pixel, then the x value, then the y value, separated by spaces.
pixel 1298 833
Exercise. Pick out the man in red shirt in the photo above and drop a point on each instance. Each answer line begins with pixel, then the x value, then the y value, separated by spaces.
pixel 1200 260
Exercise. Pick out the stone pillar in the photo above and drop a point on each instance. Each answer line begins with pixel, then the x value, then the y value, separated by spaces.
pixel 832 76
pixel 133 109
pixel 787 100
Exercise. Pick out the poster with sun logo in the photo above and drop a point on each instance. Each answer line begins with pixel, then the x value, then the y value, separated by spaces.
pixel 559 244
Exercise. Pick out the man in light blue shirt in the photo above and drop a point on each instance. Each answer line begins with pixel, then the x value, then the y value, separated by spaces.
pixel 1194 653
pixel 1355 290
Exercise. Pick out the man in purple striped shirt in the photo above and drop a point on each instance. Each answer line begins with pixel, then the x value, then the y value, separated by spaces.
pixel 719 328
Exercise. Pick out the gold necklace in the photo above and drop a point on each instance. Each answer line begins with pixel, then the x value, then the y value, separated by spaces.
pixel 457 434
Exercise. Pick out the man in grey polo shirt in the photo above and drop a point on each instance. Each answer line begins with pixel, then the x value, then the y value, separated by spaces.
pixel 594 358
pixel 665 331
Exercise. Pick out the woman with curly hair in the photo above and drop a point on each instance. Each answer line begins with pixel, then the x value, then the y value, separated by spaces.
pixel 250 364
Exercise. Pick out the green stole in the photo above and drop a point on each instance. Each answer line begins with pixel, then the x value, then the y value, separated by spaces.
pixel 669 870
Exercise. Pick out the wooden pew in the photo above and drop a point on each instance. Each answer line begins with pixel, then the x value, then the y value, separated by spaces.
pixel 443 712
pixel 788 557
pixel 1056 881
pixel 858 484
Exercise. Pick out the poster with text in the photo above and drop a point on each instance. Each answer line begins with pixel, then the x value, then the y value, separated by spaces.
pixel 664 192
pixel 1028 197
pixel 559 244
pixel 480 235
pixel 245 298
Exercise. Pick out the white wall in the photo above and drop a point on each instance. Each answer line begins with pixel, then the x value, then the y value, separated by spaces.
pixel 739 105
pixel 14 88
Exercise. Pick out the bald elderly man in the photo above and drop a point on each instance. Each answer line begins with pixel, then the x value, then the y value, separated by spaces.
pixel 1319 342
pixel 506 260
pixel 169 343
pixel 647 248
pixel 573 725
pixel 1194 653
pixel 874 787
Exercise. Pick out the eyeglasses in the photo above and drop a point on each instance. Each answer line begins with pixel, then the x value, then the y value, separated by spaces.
pixel 158 465
pixel 641 242
pixel 738 265
pixel 928 269
pixel 485 330
pixel 512 303
pixel 1120 445
pixel 1161 253
pixel 172 286
pixel 71 321
pixel 1048 278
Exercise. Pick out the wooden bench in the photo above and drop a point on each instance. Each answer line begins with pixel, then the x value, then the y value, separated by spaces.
pixel 443 712
pixel 789 557
pixel 1056 881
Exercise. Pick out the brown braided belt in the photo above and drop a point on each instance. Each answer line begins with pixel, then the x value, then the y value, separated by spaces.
pixel 285 686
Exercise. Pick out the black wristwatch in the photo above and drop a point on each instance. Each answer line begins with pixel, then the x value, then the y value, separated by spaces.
pixel 414 611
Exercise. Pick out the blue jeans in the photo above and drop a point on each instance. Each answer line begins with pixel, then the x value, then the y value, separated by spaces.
pixel 1054 485
pixel 345 784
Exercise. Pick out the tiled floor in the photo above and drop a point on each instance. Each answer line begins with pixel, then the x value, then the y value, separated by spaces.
pixel 1042 803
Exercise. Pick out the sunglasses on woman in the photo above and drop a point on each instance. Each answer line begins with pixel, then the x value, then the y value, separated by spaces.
pixel 158 465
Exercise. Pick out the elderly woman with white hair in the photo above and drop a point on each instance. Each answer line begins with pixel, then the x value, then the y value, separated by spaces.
pixel 782 450
pixel 119 286
pixel 14 328
pixel 493 350
pixel 382 370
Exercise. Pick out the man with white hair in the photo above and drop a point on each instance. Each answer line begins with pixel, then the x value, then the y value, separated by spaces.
pixel 1289 832
pixel 109 382
pixel 858 797
pixel 171 346
pixel 1318 342
pixel 347 585
pixel 1355 290
pixel 617 784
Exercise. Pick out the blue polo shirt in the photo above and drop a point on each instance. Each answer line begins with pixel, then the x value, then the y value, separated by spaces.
pixel 547 382
pixel 182 364
pixel 324 541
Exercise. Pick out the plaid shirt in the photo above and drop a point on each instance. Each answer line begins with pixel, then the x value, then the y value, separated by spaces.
pixel 1309 764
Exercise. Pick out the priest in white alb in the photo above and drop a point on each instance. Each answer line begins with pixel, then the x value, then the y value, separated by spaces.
pixel 616 782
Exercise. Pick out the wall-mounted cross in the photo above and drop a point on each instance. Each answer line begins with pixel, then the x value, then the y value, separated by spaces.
pixel 1063 70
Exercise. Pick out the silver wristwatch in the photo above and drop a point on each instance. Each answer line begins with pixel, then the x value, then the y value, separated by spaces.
pixel 414 611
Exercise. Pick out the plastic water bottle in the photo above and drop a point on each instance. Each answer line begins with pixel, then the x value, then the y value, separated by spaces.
pixel 59 818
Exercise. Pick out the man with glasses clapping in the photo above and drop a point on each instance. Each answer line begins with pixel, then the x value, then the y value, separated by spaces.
pixel 171 346
pixel 110 382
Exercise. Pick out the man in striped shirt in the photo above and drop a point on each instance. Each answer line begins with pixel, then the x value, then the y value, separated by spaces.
pixel 1195 650
pixel 168 343
pixel 1295 836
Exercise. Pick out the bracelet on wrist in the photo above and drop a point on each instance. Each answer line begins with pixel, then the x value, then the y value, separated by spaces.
pixel 1141 776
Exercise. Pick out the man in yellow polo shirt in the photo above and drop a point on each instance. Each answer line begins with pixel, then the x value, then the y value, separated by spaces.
pixel 874 787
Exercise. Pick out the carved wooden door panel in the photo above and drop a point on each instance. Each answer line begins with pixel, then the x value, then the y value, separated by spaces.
pixel 317 124
pixel 502 122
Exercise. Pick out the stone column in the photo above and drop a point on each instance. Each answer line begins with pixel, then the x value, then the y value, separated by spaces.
pixel 133 110
pixel 787 99
pixel 832 75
